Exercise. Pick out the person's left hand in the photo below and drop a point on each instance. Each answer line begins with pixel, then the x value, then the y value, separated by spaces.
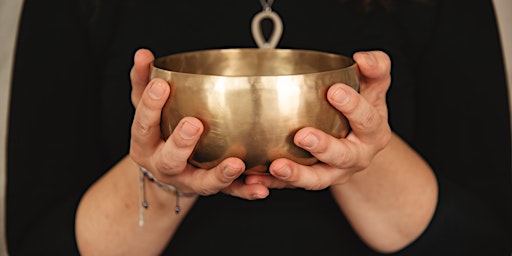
pixel 341 158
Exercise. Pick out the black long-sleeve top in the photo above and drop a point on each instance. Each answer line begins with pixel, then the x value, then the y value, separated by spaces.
pixel 70 118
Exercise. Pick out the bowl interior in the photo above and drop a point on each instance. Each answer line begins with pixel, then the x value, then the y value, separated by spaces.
pixel 253 62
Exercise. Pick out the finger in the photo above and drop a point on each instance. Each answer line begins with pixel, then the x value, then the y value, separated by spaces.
pixel 315 177
pixel 225 178
pixel 369 134
pixel 172 157
pixel 208 182
pixel 268 181
pixel 375 67
pixel 364 119
pixel 140 73
pixel 246 191
pixel 145 130
pixel 339 153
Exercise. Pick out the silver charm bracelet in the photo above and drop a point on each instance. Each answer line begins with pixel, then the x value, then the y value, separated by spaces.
pixel 144 173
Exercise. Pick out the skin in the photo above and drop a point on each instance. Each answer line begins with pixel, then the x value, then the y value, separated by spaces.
pixel 385 189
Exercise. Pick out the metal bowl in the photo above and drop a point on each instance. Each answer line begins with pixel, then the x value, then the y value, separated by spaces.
pixel 253 101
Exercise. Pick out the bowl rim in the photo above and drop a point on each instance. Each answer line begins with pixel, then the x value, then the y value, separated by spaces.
pixel 327 54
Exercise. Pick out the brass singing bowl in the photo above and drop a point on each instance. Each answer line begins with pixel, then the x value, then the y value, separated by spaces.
pixel 252 101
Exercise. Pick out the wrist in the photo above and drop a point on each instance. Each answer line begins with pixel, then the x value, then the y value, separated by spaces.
pixel 162 192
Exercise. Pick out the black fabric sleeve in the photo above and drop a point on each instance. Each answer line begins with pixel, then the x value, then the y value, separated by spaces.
pixel 52 147
pixel 462 225
pixel 463 131
pixel 65 127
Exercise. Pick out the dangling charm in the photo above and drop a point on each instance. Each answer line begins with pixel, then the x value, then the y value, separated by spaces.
pixel 143 203
pixel 257 33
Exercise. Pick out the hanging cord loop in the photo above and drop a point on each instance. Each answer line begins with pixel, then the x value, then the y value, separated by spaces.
pixel 257 33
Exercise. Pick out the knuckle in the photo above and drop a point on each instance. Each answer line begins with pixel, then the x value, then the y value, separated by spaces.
pixel 167 165
pixel 344 178
pixel 206 191
pixel 205 187
pixel 364 163
pixel 342 159
pixel 316 186
pixel 369 119
pixel 135 154
pixel 382 139
pixel 318 181
pixel 138 154
pixel 140 128
pixel 386 138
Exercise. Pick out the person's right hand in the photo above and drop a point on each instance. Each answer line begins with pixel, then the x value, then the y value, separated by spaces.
pixel 167 159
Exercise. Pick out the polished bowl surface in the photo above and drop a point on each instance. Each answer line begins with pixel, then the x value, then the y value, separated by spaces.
pixel 252 101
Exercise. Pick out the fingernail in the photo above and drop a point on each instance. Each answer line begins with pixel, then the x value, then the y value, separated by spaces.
pixel 369 58
pixel 157 90
pixel 188 131
pixel 230 172
pixel 340 96
pixel 257 196
pixel 309 141
pixel 283 172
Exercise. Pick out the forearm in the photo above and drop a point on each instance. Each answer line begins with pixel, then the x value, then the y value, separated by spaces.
pixel 107 220
pixel 392 202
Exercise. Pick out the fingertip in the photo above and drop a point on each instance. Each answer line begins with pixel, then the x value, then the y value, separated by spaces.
pixel 338 94
pixel 143 56
pixel 231 168
pixel 373 62
pixel 261 193
pixel 307 139
pixel 158 89
pixel 188 130
pixel 190 127
pixel 365 60
pixel 193 121
pixel 247 191
pixel 257 191
pixel 281 169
